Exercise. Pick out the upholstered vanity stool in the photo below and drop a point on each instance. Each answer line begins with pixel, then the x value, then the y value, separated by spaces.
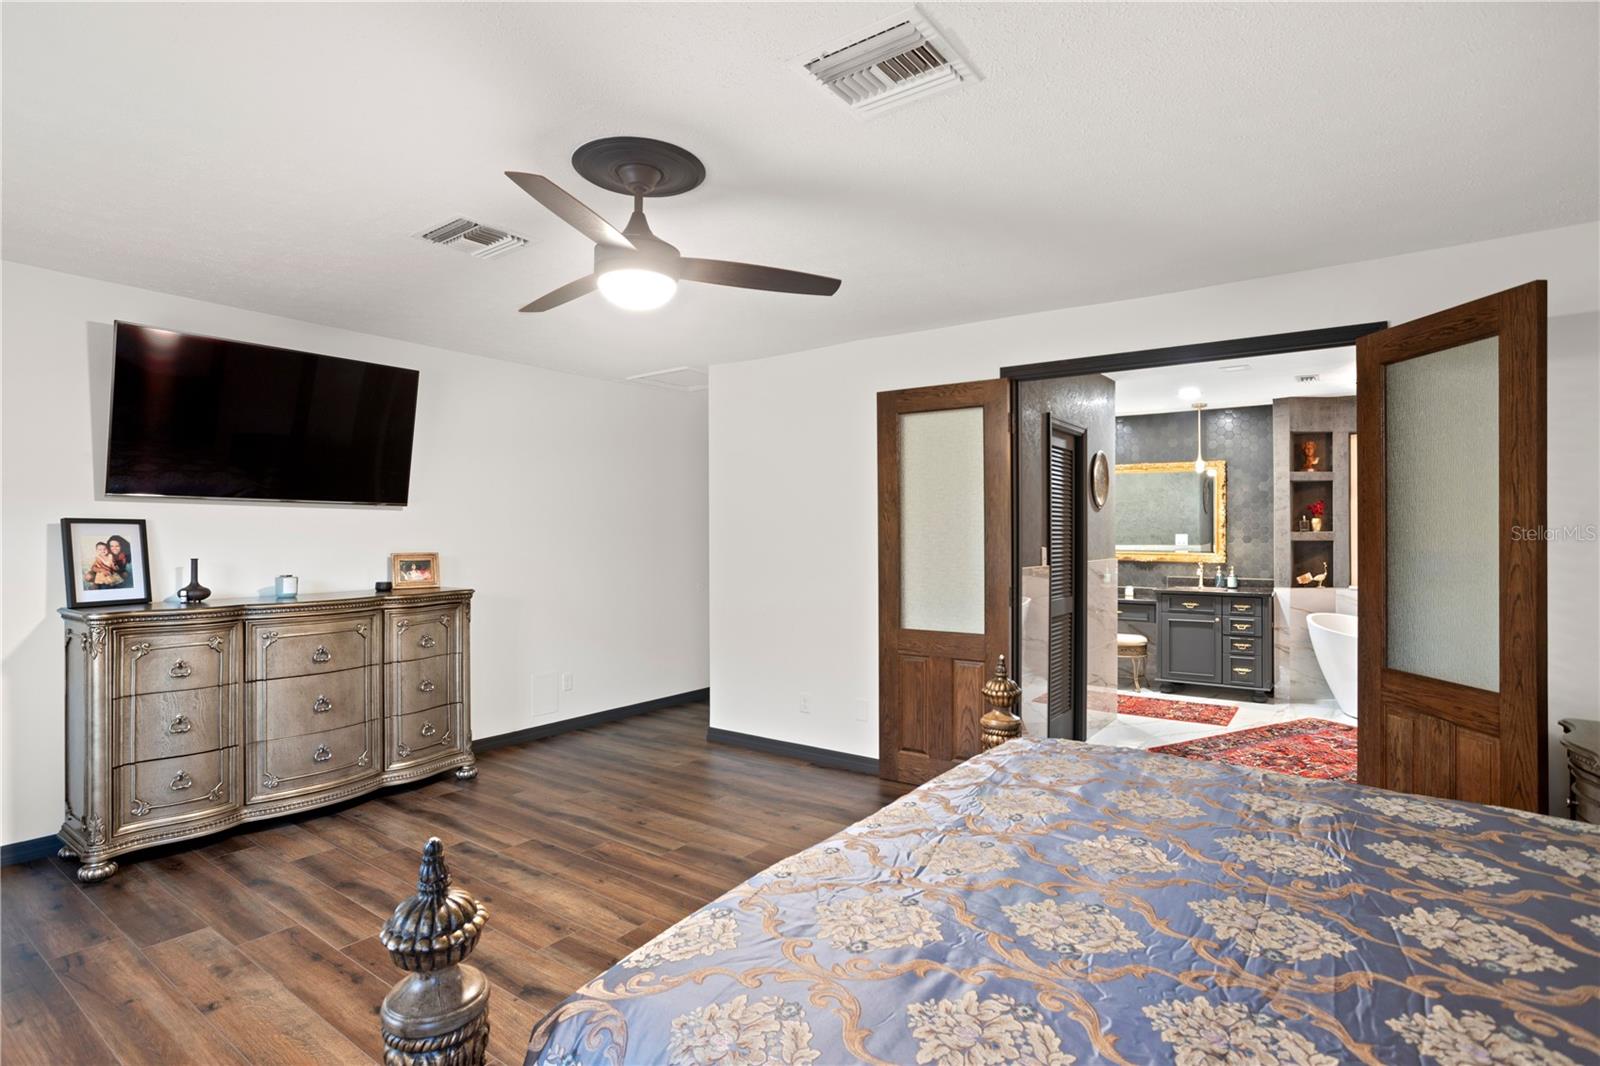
pixel 1134 648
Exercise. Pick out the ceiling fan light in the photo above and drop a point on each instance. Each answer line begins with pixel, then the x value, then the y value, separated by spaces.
pixel 635 289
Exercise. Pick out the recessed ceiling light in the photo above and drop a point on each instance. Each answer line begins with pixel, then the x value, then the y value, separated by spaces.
pixel 1189 393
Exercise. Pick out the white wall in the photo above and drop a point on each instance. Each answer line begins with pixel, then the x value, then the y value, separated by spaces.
pixel 575 507
pixel 793 460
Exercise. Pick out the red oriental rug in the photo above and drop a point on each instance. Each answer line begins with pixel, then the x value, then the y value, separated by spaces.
pixel 1176 710
pixel 1306 747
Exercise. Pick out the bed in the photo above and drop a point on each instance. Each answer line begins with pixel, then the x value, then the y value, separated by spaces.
pixel 1051 902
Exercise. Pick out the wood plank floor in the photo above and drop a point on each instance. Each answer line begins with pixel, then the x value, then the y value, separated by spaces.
pixel 261 946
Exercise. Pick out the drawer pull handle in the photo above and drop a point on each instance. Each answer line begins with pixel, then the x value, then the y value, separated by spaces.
pixel 1242 645
pixel 1242 627
pixel 427 641
pixel 321 655
pixel 1241 607
pixel 322 754
pixel 428 729
pixel 425 685
pixel 322 705
pixel 1190 604
pixel 180 669
pixel 1241 669
pixel 180 781
pixel 180 724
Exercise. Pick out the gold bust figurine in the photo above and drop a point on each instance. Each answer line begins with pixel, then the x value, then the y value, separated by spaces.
pixel 1309 459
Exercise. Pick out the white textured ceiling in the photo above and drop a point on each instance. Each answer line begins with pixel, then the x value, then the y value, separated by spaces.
pixel 276 157
pixel 1248 382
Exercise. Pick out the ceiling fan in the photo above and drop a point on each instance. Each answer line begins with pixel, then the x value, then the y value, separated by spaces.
pixel 633 268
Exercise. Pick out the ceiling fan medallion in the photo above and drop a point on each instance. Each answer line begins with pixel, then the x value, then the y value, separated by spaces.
pixel 633 268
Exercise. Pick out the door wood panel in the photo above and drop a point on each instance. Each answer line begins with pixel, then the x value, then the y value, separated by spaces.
pixel 930 682
pixel 1423 734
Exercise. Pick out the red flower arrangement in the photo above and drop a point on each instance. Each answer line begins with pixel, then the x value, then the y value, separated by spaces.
pixel 1317 509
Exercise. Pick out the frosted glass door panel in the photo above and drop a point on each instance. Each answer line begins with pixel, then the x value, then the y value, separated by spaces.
pixel 941 520
pixel 1442 422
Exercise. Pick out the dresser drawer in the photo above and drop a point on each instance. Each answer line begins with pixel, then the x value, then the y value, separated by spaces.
pixel 1201 605
pixel 423 684
pixel 1142 611
pixel 415 738
pixel 1249 647
pixel 295 706
pixel 164 725
pixel 1244 670
pixel 1240 627
pixel 163 791
pixel 1244 609
pixel 175 660
pixel 285 767
pixel 422 633
pixel 313 646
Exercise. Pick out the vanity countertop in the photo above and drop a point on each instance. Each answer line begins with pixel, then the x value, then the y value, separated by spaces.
pixel 1209 590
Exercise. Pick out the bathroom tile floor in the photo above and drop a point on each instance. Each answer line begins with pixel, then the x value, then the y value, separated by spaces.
pixel 1130 731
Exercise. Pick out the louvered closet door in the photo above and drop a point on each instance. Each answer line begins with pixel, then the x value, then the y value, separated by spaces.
pixel 944 570
pixel 1064 491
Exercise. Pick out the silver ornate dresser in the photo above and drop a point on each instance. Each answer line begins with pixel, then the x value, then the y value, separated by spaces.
pixel 182 721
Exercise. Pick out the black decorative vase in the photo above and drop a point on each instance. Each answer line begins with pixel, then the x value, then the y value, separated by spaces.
pixel 193 592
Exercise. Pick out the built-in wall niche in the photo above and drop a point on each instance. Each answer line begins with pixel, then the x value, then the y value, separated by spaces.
pixel 1303 498
pixel 1311 455
pixel 1313 558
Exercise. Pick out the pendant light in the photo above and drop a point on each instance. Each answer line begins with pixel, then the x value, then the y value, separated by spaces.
pixel 1200 466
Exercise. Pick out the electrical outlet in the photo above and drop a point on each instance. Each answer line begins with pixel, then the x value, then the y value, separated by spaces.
pixel 805 703
pixel 566 682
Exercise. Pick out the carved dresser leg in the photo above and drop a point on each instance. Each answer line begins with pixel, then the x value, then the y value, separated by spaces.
pixel 467 772
pixel 66 853
pixel 438 1015
pixel 90 872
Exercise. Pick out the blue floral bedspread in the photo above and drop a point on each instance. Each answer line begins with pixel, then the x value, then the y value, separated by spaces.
pixel 1052 902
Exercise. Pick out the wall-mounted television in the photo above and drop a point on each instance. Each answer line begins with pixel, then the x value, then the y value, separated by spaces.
pixel 201 417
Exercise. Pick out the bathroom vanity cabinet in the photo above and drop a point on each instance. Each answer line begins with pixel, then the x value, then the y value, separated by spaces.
pixel 1217 637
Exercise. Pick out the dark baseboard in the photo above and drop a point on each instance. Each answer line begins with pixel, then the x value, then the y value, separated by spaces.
pixel 28 850
pixel 566 725
pixel 835 760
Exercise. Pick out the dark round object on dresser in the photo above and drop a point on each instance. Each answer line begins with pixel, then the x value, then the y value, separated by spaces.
pixel 193 592
pixel 383 586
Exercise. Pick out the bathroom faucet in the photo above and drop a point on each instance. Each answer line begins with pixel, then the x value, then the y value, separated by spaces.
pixel 1200 572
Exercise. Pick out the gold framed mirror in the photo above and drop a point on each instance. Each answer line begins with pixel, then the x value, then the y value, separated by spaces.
pixel 1168 513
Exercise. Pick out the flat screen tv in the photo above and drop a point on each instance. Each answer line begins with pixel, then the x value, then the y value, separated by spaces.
pixel 197 416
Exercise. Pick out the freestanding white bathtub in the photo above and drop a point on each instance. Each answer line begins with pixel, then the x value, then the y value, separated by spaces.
pixel 1333 639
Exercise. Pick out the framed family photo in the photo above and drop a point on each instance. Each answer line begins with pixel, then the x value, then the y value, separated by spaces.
pixel 107 561
pixel 414 570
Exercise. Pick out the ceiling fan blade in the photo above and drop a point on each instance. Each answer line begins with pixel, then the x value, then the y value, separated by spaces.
pixel 567 293
pixel 751 276
pixel 568 209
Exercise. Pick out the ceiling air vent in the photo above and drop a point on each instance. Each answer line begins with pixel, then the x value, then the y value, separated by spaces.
pixel 890 63
pixel 1307 379
pixel 476 239
pixel 680 378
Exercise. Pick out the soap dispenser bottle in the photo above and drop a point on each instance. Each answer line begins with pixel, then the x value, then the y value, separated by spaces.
pixel 1233 582
pixel 1219 581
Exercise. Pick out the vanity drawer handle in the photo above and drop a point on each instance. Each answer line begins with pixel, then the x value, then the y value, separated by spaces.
pixel 180 781
pixel 428 729
pixel 1190 604
pixel 427 641
pixel 1242 645
pixel 1242 607
pixel 322 705
pixel 1242 670
pixel 180 669
pixel 322 754
pixel 180 724
pixel 1243 627
pixel 425 685
pixel 321 655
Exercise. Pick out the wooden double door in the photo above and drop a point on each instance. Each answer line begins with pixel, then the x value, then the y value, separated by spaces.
pixel 1453 597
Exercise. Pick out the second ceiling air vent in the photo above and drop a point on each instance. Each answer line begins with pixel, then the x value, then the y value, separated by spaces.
pixel 478 240
pixel 890 63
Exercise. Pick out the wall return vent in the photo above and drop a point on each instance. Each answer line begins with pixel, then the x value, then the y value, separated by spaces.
pixel 892 62
pixel 474 238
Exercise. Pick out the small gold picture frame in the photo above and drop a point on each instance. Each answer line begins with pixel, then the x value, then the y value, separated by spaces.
pixel 414 570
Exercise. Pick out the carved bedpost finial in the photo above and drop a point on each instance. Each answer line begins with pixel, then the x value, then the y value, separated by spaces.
pixel 438 1015
pixel 1000 723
